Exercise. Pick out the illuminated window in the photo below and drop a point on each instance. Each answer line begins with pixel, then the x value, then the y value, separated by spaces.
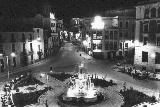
pixel 146 14
pixel 158 41
pixel 145 40
pixel 157 58
pixel 153 12
pixel 144 56
pixel 126 45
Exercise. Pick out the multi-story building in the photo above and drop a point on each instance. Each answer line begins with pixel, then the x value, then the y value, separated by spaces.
pixel 21 48
pixel 124 32
pixel 117 37
pixel 147 37
pixel 56 38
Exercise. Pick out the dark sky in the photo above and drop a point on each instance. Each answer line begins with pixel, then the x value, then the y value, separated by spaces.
pixel 64 9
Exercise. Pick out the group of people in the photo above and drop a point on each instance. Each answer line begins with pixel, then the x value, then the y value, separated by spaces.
pixel 135 73
pixel 6 98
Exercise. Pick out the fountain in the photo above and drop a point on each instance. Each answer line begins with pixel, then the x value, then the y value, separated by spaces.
pixel 81 88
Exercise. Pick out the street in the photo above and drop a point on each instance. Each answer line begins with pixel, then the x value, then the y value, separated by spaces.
pixel 68 58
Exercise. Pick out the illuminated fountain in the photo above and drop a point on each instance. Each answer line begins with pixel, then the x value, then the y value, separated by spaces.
pixel 81 87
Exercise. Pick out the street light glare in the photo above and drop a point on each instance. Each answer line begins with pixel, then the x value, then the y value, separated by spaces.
pixel 13 54
pixel 97 23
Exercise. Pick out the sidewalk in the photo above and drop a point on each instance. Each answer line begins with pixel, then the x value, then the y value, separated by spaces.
pixel 20 69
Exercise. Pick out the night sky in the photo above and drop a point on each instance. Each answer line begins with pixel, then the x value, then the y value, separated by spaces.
pixel 64 9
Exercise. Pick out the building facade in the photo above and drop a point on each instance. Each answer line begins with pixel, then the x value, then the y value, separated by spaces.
pixel 115 40
pixel 147 37
pixel 21 48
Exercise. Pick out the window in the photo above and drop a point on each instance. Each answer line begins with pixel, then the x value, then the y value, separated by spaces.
pixel 157 58
pixel 115 45
pixel 126 45
pixel 99 34
pixel 115 35
pixel 99 46
pixel 111 35
pixel 37 30
pixel 12 38
pixel 14 61
pixel 23 37
pixel 111 45
pixel 120 45
pixel 30 37
pixel 31 48
pixel 126 35
pixel 158 41
pixel 1 48
pixel 107 46
pixel 144 56
pixel 106 34
pixel 146 14
pixel 13 47
pixel 39 48
pixel 120 53
pixel 126 24
pixel 32 57
pixel 157 71
pixel 159 12
pixel 153 12
pixel 126 53
pixel 158 27
pixel 94 46
pixel 23 47
pixel 145 40
pixel 1 38
pixel 120 24
pixel 120 34
pixel 133 27
pixel 145 28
